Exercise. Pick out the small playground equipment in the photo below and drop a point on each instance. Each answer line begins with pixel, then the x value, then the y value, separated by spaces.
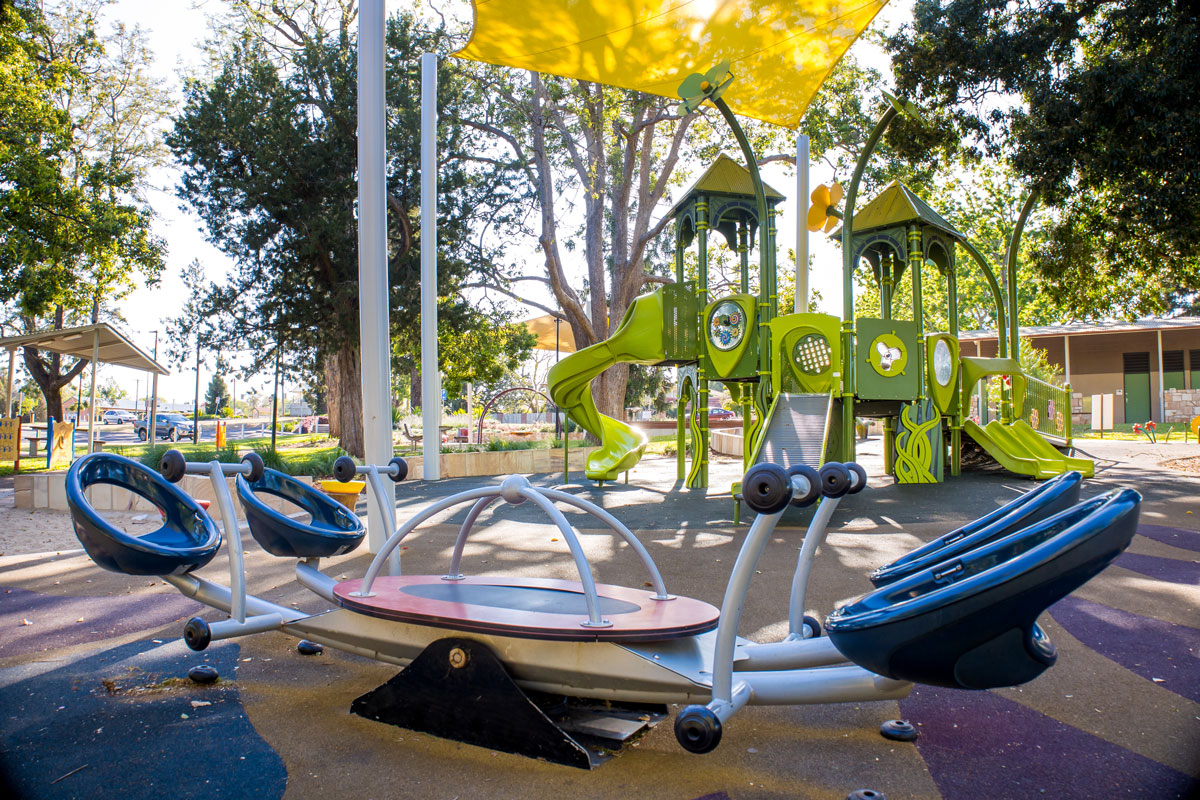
pixel 803 379
pixel 569 670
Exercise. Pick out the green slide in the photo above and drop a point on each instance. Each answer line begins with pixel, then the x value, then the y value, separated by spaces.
pixel 1022 450
pixel 637 341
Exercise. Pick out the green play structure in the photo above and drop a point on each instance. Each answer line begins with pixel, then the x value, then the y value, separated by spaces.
pixel 803 380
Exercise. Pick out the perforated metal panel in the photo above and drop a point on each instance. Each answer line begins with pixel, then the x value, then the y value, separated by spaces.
pixel 796 431
pixel 681 323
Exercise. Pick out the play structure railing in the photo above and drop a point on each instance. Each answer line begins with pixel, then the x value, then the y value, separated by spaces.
pixel 1047 408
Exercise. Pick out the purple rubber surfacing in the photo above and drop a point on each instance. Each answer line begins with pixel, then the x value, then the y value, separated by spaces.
pixel 1147 647
pixel 1171 570
pixel 54 618
pixel 973 740
pixel 1176 537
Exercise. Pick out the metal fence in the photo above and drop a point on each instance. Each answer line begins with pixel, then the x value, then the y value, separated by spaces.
pixel 1048 408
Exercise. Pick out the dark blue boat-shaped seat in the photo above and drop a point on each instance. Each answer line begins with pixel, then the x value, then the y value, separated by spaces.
pixel 1046 500
pixel 187 540
pixel 334 529
pixel 970 622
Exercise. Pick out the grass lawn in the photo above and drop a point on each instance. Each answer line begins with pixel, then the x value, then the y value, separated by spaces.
pixel 1166 432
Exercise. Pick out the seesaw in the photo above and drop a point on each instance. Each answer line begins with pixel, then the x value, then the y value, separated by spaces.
pixel 568 670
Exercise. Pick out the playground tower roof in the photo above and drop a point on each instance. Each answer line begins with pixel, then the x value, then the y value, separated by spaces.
pixel 780 51
pixel 728 177
pixel 897 205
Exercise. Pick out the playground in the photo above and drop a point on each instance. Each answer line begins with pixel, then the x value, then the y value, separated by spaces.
pixel 968 602
pixel 96 699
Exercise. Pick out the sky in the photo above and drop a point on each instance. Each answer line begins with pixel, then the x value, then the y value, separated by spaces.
pixel 176 30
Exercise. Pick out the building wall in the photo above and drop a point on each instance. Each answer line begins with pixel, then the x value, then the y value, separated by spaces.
pixel 1097 365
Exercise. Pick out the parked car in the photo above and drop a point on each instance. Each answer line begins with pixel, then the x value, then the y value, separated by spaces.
pixel 720 413
pixel 171 427
pixel 116 417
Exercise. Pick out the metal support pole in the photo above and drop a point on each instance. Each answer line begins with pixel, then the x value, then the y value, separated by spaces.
pixel 431 398
pixel 1162 394
pixel 372 249
pixel 801 303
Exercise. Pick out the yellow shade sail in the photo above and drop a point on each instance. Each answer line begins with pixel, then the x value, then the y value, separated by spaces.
pixel 780 51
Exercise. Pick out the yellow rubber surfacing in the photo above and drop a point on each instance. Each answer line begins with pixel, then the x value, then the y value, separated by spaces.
pixel 781 51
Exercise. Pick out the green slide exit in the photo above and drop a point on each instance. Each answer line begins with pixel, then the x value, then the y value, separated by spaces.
pixel 637 341
pixel 1020 449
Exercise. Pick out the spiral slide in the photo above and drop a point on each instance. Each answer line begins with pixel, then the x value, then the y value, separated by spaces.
pixel 637 341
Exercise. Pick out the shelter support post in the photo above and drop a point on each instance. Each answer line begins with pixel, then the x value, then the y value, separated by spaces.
pixel 92 401
pixel 12 367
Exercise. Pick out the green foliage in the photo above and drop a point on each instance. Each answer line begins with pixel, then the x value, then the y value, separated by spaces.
pixel 1094 104
pixel 481 351
pixel 505 445
pixel 216 397
pixel 267 145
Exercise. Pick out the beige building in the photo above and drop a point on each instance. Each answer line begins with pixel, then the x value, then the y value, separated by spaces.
pixel 1148 365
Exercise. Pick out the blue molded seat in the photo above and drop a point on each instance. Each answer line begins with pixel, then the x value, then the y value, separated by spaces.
pixel 334 529
pixel 187 540
pixel 970 622
pixel 1046 500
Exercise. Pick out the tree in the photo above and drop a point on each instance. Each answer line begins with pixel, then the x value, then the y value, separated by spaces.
pixel 110 392
pixel 267 145
pixel 216 397
pixel 83 115
pixel 1094 105
pixel 623 154
pixel 977 200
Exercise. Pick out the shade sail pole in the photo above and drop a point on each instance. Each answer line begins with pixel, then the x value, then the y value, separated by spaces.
pixel 431 384
pixel 372 256
pixel 801 303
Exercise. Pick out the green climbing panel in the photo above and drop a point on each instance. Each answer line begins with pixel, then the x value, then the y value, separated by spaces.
pixel 887 364
pixel 920 451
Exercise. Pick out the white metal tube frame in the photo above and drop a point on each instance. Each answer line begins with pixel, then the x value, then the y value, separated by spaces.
pixel 515 490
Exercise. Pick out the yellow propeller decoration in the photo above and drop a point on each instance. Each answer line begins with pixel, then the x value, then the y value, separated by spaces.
pixel 697 88
pixel 823 212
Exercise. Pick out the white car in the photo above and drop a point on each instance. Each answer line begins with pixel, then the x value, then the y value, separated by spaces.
pixel 115 417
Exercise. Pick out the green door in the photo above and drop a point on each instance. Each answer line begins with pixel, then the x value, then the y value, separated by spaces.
pixel 1137 387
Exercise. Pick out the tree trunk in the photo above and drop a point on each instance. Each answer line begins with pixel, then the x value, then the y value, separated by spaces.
pixel 343 382
pixel 608 390
pixel 414 388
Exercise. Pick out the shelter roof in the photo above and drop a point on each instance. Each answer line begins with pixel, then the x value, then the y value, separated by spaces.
pixel 1087 328
pixel 562 340
pixel 780 51
pixel 898 205
pixel 115 346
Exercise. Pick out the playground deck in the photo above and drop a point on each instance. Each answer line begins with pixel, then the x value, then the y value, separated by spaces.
pixel 91 708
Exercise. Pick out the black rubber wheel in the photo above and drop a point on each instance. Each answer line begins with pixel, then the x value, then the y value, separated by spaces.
pixel 172 435
pixel 401 469
pixel 814 485
pixel 343 468
pixel 173 466
pixel 203 673
pixel 835 479
pixel 257 467
pixel 899 730
pixel 813 625
pixel 196 634
pixel 858 470
pixel 866 794
pixel 697 729
pixel 141 434
pixel 767 488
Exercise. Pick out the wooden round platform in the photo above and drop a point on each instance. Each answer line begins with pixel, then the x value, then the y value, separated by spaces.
pixel 529 608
